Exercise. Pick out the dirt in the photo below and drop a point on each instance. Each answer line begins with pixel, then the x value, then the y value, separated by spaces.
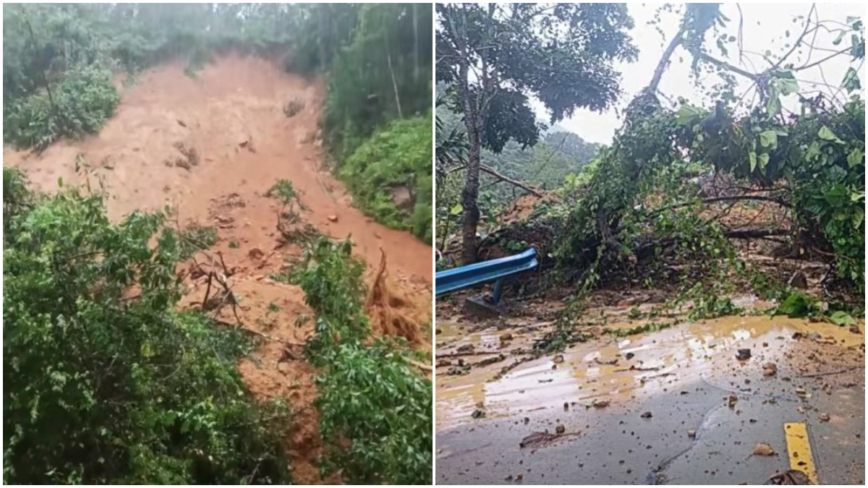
pixel 211 147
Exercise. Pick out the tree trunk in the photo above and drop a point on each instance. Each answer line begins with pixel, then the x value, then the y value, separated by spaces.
pixel 470 194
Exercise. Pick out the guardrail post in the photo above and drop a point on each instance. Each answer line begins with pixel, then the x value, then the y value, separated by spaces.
pixel 498 291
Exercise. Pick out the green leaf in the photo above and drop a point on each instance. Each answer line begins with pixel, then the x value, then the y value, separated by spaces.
pixel 839 38
pixel 60 181
pixel 812 151
pixel 826 134
pixel 769 139
pixel 456 210
pixel 752 158
pixel 842 318
pixel 687 114
pixel 763 161
pixel 851 81
pixel 855 158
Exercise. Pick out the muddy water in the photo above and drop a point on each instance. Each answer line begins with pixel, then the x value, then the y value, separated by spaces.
pixel 599 369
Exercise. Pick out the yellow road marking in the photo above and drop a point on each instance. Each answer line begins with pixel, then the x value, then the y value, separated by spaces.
pixel 799 449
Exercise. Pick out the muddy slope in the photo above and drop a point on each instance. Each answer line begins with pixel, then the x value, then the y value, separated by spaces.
pixel 211 146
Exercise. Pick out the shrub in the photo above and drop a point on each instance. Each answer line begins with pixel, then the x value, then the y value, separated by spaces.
pixel 397 157
pixel 104 382
pixel 376 410
pixel 82 102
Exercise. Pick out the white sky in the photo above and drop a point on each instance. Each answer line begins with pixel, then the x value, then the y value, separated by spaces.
pixel 774 19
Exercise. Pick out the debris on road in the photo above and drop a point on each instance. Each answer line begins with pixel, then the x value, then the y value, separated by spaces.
pixel 763 449
pixel 743 354
pixel 646 415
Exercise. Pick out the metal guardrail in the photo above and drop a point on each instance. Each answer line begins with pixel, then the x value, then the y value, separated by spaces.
pixel 485 272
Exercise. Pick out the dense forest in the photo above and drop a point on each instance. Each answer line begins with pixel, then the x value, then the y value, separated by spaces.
pixel 107 379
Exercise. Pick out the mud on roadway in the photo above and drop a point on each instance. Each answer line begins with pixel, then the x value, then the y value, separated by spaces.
pixel 674 406
pixel 211 147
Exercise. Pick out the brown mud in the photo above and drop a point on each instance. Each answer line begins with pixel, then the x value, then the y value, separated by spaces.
pixel 211 147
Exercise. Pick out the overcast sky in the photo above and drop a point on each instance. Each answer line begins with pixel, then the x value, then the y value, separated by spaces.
pixel 765 28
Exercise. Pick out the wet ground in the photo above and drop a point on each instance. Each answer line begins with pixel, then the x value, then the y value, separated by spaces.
pixel 669 407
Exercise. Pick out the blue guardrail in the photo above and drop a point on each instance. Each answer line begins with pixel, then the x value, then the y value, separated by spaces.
pixel 485 272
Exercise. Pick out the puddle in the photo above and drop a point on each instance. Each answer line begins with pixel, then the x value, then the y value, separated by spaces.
pixel 658 362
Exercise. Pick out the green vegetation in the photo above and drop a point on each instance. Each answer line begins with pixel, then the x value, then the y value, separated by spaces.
pixel 104 382
pixel 377 122
pixel 390 174
pixel 369 394
pixel 516 50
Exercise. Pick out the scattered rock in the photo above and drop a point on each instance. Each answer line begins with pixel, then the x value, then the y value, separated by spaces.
pixel 646 415
pixel 255 253
pixel 855 329
pixel 443 362
pixel 791 477
pixel 630 355
pixel 333 218
pixel 743 354
pixel 803 393
pixel 798 280
pixel 600 403
pixel 560 429
pixel 477 414
pixel 519 477
pixel 825 417
pixel 505 337
pixel 402 197
pixel 465 349
pixel 763 449
pixel 559 358
pixel 732 400
pixel 691 434
pixel 770 369
pixel 181 123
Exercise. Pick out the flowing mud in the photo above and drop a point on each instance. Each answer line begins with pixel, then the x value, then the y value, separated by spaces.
pixel 672 406
pixel 211 147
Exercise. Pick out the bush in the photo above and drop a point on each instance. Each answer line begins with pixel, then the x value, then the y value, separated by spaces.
pixel 104 382
pixel 395 158
pixel 376 410
pixel 82 102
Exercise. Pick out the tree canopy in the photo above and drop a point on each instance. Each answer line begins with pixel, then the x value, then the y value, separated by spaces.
pixel 494 57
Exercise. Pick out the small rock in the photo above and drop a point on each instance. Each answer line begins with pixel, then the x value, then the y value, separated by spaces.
pixel 743 354
pixel 798 280
pixel 505 337
pixel 519 477
pixel 559 358
pixel 333 218
pixel 255 253
pixel 465 348
pixel 770 369
pixel 855 329
pixel 732 400
pixel 629 355
pixel 438 331
pixel 825 417
pixel 477 414
pixel 691 433
pixel 600 403
pixel 763 449
pixel 560 429
pixel 803 393
pixel 646 415
pixel 443 362
pixel 181 123
pixel 800 409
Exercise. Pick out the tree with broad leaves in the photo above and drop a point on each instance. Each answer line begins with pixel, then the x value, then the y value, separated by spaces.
pixel 495 56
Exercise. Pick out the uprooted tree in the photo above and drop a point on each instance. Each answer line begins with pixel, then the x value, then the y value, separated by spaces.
pixel 495 55
pixel 641 198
